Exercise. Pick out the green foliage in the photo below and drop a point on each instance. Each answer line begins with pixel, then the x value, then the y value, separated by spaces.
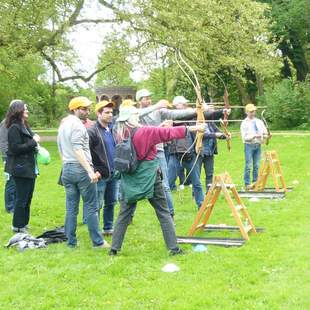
pixel 213 35
pixel 288 104
pixel 291 26
pixel 115 57
pixel 270 272
pixel 19 78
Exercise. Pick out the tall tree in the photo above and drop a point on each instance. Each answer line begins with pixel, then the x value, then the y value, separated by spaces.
pixel 291 25
pixel 215 36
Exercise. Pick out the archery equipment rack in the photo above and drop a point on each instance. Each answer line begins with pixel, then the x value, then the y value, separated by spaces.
pixel 271 166
pixel 221 183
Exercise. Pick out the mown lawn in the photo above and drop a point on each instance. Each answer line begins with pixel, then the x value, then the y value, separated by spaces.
pixel 272 271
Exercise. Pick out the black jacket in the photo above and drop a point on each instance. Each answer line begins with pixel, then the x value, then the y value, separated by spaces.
pixel 22 150
pixel 98 151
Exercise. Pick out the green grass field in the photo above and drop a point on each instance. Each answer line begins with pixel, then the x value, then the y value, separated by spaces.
pixel 270 272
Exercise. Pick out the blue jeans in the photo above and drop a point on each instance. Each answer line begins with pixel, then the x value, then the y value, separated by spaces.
pixel 164 170
pixel 208 165
pixel 77 182
pixel 252 157
pixel 174 167
pixel 10 195
pixel 106 196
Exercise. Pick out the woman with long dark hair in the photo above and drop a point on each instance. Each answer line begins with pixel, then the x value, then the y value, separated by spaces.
pixel 21 164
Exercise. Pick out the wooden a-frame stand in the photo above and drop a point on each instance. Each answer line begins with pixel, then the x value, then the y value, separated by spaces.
pixel 271 166
pixel 223 183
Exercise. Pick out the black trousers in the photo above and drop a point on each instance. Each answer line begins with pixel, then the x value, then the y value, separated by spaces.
pixel 24 191
pixel 159 204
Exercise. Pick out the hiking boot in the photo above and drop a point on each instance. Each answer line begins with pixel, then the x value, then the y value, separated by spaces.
pixel 107 232
pixel 112 252
pixel 176 251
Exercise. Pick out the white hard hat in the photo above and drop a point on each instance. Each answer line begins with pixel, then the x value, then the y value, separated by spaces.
pixel 142 93
pixel 125 113
pixel 179 100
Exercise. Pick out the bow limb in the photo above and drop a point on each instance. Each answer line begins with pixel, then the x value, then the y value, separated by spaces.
pixel 200 120
pixel 224 123
pixel 267 127
pixel 199 100
pixel 227 134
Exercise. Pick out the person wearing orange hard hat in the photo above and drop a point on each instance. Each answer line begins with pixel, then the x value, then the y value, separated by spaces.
pixel 78 175
pixel 253 133
pixel 102 149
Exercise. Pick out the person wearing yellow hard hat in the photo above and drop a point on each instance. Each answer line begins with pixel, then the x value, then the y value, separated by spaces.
pixel 127 103
pixel 253 133
pixel 78 175
pixel 102 149
pixel 83 104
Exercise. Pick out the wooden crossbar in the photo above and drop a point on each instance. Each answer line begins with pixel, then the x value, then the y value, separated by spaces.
pixel 223 183
pixel 271 167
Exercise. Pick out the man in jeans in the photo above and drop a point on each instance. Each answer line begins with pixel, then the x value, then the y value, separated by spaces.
pixel 182 156
pixel 253 133
pixel 102 148
pixel 78 176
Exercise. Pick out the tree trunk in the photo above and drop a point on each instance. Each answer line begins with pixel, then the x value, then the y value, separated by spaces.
pixel 295 52
pixel 243 96
pixel 260 84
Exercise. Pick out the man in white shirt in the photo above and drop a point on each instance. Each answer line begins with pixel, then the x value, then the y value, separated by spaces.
pixel 78 175
pixel 253 133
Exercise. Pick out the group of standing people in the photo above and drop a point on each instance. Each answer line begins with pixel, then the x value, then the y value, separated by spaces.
pixel 87 150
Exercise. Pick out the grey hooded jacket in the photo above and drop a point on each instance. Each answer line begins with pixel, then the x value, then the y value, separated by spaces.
pixel 3 139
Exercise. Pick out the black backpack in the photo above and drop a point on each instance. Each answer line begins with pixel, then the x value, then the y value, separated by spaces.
pixel 125 158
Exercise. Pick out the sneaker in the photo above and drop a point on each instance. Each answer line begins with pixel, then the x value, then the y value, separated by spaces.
pixel 176 251
pixel 107 232
pixel 112 252
pixel 104 245
pixel 20 230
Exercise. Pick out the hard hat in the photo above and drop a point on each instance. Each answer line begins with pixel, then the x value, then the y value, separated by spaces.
pixel 142 93
pixel 250 107
pixel 127 103
pixel 79 102
pixel 104 103
pixel 125 113
pixel 179 100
